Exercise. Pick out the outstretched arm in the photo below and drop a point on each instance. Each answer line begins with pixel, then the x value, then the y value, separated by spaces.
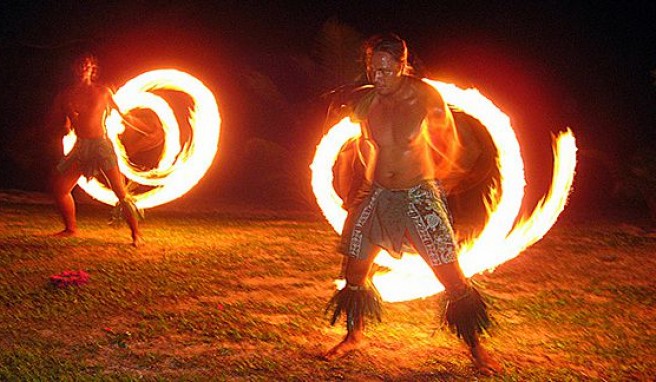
pixel 126 120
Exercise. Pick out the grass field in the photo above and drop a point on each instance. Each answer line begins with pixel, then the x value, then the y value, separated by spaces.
pixel 240 297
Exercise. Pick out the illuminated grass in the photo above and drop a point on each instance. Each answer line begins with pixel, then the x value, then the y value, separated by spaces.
pixel 239 297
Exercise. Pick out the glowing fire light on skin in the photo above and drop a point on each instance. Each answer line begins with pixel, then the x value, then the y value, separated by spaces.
pixel 410 277
pixel 179 168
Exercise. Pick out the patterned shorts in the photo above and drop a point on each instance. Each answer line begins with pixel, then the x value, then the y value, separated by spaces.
pixel 400 221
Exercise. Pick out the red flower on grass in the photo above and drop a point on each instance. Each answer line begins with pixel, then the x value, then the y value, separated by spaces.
pixel 69 278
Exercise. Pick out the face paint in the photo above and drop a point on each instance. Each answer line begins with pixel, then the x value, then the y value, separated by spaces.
pixel 384 73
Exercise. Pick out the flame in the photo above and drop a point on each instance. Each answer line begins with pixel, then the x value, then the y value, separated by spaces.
pixel 500 240
pixel 179 168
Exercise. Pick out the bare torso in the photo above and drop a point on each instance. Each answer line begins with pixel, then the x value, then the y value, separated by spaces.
pixel 395 124
pixel 84 106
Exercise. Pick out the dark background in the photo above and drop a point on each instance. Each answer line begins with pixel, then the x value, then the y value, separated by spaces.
pixel 549 65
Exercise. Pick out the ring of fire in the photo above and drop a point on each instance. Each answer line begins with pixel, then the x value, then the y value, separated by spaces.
pixel 501 239
pixel 179 168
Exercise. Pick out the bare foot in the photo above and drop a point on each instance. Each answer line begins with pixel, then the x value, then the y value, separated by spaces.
pixel 137 241
pixel 66 233
pixel 485 364
pixel 349 344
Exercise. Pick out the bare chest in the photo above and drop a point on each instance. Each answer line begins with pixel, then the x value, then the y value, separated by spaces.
pixel 395 125
pixel 85 101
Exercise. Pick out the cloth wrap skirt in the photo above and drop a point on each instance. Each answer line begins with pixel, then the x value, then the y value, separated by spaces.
pixel 91 156
pixel 400 221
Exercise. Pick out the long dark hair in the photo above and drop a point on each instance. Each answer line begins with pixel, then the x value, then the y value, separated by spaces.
pixel 389 43
pixel 394 45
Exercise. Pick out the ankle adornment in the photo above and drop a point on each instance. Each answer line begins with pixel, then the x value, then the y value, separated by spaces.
pixel 126 207
pixel 466 314
pixel 358 302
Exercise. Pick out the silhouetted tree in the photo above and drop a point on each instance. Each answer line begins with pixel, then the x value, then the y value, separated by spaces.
pixel 337 53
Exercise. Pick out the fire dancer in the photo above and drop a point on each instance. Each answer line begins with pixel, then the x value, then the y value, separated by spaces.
pixel 82 108
pixel 408 144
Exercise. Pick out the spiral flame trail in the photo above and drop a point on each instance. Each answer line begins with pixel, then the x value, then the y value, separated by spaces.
pixel 179 168
pixel 499 240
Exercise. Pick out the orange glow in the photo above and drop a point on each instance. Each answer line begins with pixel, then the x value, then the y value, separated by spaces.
pixel 500 240
pixel 179 168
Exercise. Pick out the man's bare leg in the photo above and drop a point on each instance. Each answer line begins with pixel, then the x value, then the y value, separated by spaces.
pixel 354 340
pixel 66 206
pixel 61 188
pixel 116 182
pixel 454 281
pixel 483 362
pixel 137 239
pixel 357 272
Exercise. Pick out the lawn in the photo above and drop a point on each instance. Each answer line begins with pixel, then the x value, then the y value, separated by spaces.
pixel 227 295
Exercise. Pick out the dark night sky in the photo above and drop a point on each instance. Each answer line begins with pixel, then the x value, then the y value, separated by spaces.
pixel 548 64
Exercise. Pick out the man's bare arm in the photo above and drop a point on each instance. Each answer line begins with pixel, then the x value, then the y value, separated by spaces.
pixel 440 123
pixel 57 119
pixel 444 139
pixel 126 120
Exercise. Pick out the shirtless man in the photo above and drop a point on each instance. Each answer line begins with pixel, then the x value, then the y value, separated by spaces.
pixel 401 203
pixel 82 108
